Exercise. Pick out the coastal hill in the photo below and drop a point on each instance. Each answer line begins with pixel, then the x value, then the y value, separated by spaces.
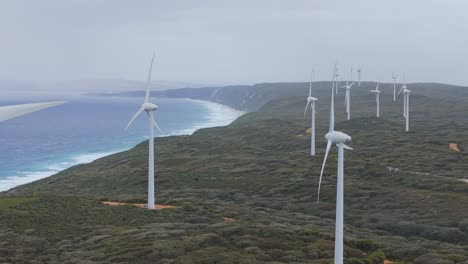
pixel 246 193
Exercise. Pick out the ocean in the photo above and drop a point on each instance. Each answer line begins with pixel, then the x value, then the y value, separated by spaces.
pixel 41 144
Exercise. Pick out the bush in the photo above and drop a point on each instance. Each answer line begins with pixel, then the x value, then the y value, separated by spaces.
pixel 432 259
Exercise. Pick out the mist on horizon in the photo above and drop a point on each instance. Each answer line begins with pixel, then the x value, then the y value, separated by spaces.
pixel 48 43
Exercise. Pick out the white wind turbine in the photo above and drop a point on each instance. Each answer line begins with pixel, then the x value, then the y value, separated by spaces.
pixel 406 94
pixel 336 75
pixel 311 100
pixel 12 111
pixel 348 99
pixel 377 98
pixel 338 138
pixel 403 88
pixel 394 86
pixel 149 108
pixel 359 76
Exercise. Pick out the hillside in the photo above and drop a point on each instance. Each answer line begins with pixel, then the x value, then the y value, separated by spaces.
pixel 246 193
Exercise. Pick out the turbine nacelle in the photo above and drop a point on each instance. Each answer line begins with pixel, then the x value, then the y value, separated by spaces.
pixel 311 99
pixel 374 91
pixel 149 107
pixel 337 137
pixel 348 86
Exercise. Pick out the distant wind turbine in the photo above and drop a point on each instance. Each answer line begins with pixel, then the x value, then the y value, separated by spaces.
pixel 149 108
pixel 337 82
pixel 359 76
pixel 394 86
pixel 348 99
pixel 377 98
pixel 12 111
pixel 311 100
pixel 403 88
pixel 338 138
pixel 407 93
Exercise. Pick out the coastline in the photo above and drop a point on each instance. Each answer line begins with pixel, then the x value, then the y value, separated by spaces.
pixel 219 115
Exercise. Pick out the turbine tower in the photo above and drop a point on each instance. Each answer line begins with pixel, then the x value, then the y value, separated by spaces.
pixel 348 99
pixel 12 111
pixel 149 108
pixel 394 86
pixel 359 76
pixel 406 94
pixel 311 100
pixel 403 88
pixel 336 75
pixel 338 138
pixel 377 98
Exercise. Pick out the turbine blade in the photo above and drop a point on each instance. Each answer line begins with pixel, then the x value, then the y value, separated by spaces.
pixel 312 77
pixel 155 124
pixel 401 90
pixel 329 143
pixel 347 147
pixel 352 84
pixel 332 104
pixel 377 86
pixel 134 117
pixel 149 80
pixel 307 105
pixel 12 111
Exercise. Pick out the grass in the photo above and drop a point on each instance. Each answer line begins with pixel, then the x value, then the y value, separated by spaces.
pixel 7 202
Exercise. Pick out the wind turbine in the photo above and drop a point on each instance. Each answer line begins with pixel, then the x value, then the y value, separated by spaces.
pixel 338 138
pixel 394 86
pixel 311 100
pixel 359 76
pixel 12 111
pixel 377 98
pixel 149 108
pixel 348 99
pixel 406 94
pixel 403 88
pixel 336 75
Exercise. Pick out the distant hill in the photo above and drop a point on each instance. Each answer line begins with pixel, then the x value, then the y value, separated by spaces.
pixel 31 89
pixel 253 97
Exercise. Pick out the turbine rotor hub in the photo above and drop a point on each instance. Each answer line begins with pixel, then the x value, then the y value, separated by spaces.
pixel 149 107
pixel 337 137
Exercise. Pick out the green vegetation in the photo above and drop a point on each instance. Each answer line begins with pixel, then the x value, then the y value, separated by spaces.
pixel 13 201
pixel 257 171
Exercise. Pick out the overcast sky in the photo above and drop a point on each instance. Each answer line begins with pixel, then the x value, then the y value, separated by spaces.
pixel 233 42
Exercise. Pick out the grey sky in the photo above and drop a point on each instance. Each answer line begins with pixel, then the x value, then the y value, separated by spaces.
pixel 242 41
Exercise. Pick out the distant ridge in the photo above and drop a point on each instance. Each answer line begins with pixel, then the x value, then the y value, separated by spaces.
pixel 253 97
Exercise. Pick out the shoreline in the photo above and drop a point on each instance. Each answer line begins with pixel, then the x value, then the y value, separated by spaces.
pixel 216 118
